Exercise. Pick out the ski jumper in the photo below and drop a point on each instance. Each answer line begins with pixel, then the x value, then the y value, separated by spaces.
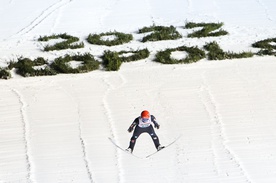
pixel 143 126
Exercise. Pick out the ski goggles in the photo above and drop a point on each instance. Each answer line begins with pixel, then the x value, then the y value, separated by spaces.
pixel 144 120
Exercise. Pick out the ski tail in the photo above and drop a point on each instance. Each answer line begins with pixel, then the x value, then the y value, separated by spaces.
pixel 165 146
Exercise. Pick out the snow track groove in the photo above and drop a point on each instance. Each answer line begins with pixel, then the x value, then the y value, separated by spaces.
pixel 82 140
pixel 226 163
pixel 111 124
pixel 26 135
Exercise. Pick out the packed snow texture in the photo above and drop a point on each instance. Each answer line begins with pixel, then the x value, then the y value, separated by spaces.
pixel 56 128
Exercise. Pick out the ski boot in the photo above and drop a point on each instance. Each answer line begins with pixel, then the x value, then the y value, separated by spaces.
pixel 160 147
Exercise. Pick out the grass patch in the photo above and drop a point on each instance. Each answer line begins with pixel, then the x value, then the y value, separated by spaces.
pixel 88 63
pixel 208 30
pixel 160 33
pixel 137 55
pixel 5 73
pixel 216 53
pixel 26 67
pixel 67 44
pixel 194 54
pixel 111 60
pixel 120 38
pixel 266 47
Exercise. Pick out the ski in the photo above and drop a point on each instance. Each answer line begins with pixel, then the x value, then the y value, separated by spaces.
pixel 116 145
pixel 164 147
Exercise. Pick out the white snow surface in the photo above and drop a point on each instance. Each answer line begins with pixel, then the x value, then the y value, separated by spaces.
pixel 55 129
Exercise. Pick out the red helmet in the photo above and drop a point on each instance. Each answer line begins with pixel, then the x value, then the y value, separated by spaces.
pixel 145 114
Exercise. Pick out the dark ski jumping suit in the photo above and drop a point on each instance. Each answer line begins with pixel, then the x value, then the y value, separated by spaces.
pixel 142 126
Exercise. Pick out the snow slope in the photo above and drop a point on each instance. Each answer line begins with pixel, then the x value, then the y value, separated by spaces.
pixel 56 128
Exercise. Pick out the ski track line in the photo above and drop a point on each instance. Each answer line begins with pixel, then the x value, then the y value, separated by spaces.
pixel 26 133
pixel 56 22
pixel 106 12
pixel 149 8
pixel 221 152
pixel 157 97
pixel 217 7
pixel 261 3
pixel 111 122
pixel 189 6
pixel 82 140
pixel 215 4
pixel 44 14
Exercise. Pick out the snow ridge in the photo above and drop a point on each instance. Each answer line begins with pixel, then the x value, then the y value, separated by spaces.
pixel 26 133
pixel 226 164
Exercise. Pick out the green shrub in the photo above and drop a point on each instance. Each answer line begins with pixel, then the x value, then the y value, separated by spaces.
pixel 216 53
pixel 266 52
pixel 208 29
pixel 111 60
pixel 121 38
pixel 61 64
pixel 67 44
pixel 25 67
pixel 137 55
pixel 266 47
pixel 160 33
pixel 5 73
pixel 194 54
